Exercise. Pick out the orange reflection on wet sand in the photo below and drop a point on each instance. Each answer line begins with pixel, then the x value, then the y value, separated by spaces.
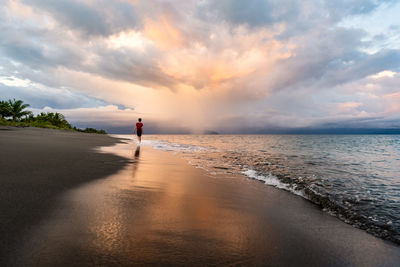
pixel 155 208
pixel 160 210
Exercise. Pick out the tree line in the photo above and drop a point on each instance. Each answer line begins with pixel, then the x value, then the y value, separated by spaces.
pixel 15 113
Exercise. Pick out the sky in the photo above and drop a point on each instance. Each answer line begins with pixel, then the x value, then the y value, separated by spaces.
pixel 229 66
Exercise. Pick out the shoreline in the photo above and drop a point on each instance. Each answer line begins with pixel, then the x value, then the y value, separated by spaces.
pixel 278 185
pixel 36 166
pixel 354 205
pixel 155 208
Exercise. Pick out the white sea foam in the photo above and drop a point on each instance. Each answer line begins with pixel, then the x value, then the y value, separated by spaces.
pixel 272 180
pixel 185 148
pixel 237 154
pixel 175 147
pixel 163 145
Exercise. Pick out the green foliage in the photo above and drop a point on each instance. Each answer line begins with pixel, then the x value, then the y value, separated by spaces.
pixel 3 122
pixel 16 110
pixel 55 119
pixel 5 109
pixel 90 130
pixel 47 120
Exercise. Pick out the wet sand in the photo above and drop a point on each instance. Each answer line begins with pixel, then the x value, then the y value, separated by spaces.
pixel 36 166
pixel 158 210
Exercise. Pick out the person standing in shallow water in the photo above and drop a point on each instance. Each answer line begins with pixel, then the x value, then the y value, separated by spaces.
pixel 138 130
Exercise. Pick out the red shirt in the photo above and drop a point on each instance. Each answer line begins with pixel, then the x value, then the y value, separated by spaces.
pixel 139 125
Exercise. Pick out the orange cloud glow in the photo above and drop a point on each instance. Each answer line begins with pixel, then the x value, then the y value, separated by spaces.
pixel 199 64
pixel 163 33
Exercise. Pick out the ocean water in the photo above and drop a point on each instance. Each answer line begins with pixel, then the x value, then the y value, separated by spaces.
pixel 353 177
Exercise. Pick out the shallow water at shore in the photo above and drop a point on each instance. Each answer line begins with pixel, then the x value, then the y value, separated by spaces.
pixel 354 177
pixel 160 211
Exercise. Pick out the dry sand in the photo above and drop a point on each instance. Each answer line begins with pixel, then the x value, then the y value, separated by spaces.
pixel 158 210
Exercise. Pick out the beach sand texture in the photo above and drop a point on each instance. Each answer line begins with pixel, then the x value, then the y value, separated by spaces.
pixel 65 204
pixel 36 165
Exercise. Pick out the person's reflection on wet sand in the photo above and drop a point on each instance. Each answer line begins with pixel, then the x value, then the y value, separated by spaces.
pixel 137 152
pixel 135 160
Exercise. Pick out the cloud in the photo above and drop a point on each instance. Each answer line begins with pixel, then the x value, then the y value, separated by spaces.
pixel 298 16
pixel 99 18
pixel 203 65
pixel 113 119
pixel 109 113
pixel 40 97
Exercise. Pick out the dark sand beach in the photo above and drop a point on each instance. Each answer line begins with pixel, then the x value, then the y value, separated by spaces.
pixel 36 166
pixel 63 203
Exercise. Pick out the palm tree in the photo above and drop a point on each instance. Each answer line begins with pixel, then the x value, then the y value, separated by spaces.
pixel 56 119
pixel 4 109
pixel 17 109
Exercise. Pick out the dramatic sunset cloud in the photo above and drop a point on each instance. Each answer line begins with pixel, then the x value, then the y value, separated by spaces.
pixel 211 65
